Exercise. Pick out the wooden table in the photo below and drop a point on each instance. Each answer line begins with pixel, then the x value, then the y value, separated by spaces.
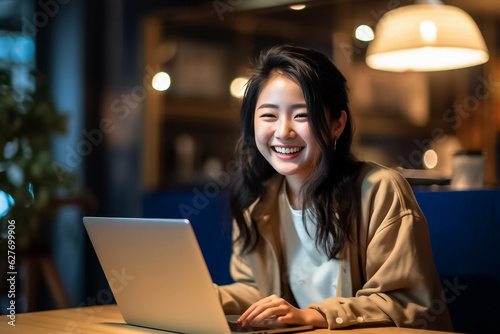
pixel 107 319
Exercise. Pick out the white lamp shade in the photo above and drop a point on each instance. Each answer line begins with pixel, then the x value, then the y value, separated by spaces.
pixel 426 37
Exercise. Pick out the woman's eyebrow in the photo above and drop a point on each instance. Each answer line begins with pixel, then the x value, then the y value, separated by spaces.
pixel 298 106
pixel 273 106
pixel 268 105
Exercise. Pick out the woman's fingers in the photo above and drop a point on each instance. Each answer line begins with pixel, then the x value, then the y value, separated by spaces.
pixel 253 307
pixel 254 310
pixel 277 310
pixel 272 306
pixel 269 314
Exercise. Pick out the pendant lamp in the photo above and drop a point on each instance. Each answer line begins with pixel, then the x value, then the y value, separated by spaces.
pixel 426 36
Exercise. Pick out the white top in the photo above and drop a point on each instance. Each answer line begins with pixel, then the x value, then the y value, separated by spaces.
pixel 313 278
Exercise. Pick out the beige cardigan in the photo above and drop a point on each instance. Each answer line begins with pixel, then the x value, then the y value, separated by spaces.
pixel 387 275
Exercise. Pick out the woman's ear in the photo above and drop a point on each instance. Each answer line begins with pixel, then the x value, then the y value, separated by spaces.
pixel 338 124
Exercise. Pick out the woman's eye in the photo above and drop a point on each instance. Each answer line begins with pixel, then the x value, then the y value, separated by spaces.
pixel 301 116
pixel 267 116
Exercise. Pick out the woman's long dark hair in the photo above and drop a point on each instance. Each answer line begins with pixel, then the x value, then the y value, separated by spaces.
pixel 330 190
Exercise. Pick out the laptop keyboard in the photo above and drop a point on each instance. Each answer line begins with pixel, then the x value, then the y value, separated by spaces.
pixel 235 327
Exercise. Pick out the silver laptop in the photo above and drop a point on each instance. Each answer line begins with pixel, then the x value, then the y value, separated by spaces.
pixel 159 278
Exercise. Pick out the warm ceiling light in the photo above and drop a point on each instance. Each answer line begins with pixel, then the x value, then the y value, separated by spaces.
pixel 297 7
pixel 364 33
pixel 161 81
pixel 430 159
pixel 427 36
pixel 237 87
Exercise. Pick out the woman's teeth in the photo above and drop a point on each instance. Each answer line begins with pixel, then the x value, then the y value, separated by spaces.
pixel 287 150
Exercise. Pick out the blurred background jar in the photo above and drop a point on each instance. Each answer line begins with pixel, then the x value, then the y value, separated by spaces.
pixel 468 169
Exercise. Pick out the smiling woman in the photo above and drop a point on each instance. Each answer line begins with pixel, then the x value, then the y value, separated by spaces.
pixel 321 238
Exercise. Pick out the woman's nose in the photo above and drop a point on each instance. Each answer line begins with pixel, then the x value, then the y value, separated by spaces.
pixel 284 129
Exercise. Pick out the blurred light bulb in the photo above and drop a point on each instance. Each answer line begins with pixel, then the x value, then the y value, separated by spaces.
pixel 430 159
pixel 161 81
pixel 364 33
pixel 428 31
pixel 237 87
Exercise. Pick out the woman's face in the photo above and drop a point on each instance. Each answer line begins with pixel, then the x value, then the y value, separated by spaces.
pixel 282 130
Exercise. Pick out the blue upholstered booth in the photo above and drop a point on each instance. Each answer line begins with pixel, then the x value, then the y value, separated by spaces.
pixel 465 233
pixel 210 219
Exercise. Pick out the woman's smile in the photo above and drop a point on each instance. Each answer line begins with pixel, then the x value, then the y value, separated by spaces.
pixel 287 152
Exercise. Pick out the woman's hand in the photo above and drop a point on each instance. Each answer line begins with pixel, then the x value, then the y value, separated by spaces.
pixel 278 310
